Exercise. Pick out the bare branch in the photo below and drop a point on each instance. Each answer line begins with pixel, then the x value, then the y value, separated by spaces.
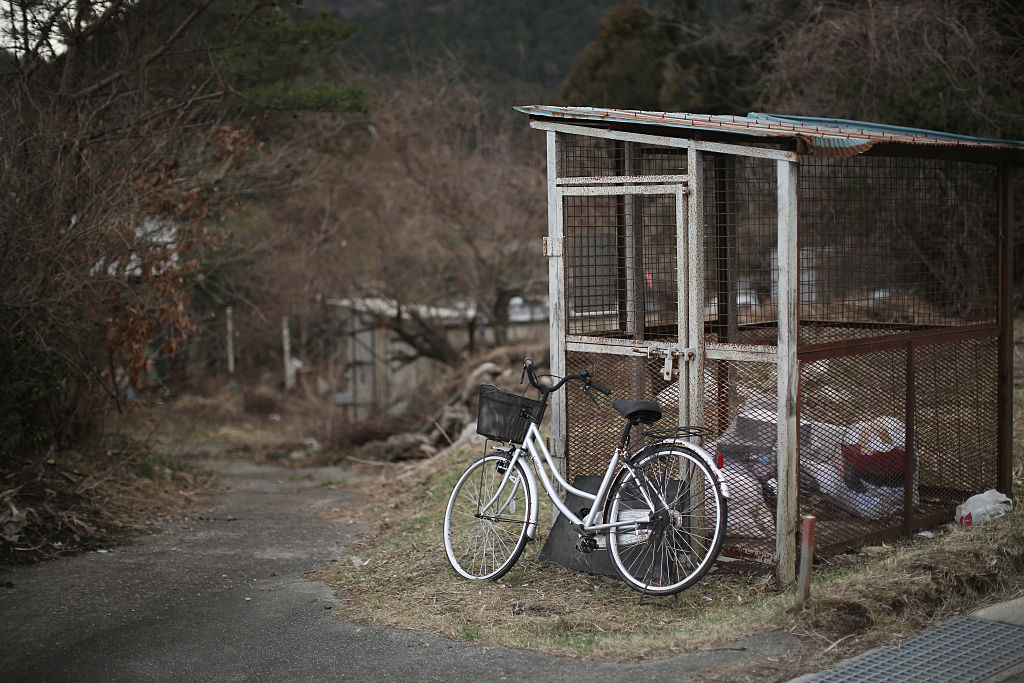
pixel 149 59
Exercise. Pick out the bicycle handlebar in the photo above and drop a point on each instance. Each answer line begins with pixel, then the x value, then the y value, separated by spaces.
pixel 529 371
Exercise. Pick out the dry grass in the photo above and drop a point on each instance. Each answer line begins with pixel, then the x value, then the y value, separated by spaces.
pixel 919 585
pixel 399 577
pixel 227 422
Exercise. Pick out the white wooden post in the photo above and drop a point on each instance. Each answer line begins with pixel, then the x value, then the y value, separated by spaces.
pixel 694 291
pixel 786 512
pixel 286 346
pixel 556 300
pixel 229 314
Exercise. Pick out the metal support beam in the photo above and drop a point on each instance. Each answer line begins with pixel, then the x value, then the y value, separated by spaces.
pixel 667 141
pixel 910 442
pixel 632 231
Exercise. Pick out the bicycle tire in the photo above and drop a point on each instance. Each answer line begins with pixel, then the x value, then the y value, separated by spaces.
pixel 679 544
pixel 485 544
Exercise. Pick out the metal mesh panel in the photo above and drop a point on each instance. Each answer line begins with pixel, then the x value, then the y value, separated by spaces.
pixel 854 446
pixel 660 161
pixel 964 650
pixel 740 409
pixel 740 201
pixel 895 244
pixel 592 264
pixel 620 255
pixel 581 156
pixel 853 441
pixel 592 433
pixel 853 452
pixel 956 419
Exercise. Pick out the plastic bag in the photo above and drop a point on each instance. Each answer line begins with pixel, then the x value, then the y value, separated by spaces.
pixel 982 507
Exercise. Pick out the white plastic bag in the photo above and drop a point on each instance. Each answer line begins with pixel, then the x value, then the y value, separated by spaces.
pixel 982 507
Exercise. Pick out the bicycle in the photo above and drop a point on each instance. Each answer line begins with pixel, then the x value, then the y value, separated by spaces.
pixel 661 514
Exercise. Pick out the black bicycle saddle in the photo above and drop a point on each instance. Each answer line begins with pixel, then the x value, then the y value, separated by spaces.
pixel 645 412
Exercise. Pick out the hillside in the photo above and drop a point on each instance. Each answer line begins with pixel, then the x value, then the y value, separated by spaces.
pixel 520 49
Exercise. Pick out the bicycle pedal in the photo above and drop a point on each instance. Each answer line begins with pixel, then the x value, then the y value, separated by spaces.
pixel 586 544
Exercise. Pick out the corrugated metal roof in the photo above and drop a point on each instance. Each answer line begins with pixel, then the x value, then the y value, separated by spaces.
pixel 820 135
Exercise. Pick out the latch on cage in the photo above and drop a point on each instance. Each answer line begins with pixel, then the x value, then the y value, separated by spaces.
pixel 668 370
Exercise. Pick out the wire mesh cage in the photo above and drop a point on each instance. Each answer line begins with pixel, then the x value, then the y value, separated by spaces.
pixel 583 156
pixel 740 250
pixel 899 324
pixel 594 432
pixel 621 278
pixel 506 417
pixel 891 245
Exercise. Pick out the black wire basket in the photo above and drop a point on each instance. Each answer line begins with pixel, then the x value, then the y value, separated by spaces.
pixel 506 417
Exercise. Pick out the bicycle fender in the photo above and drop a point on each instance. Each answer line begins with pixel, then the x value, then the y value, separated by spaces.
pixel 531 482
pixel 705 456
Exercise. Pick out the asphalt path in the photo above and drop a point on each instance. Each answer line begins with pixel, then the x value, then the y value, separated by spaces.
pixel 223 596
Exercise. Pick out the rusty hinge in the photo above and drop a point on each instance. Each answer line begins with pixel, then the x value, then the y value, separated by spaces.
pixel 552 246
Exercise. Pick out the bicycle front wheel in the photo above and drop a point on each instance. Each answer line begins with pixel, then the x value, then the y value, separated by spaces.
pixel 486 523
pixel 680 512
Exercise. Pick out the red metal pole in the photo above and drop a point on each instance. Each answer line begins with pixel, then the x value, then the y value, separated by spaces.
pixel 806 559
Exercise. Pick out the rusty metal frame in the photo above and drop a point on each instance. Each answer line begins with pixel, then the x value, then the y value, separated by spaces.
pixel 882 534
pixel 856 347
pixel 1005 299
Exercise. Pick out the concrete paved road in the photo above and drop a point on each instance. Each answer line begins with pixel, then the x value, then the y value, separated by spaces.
pixel 222 597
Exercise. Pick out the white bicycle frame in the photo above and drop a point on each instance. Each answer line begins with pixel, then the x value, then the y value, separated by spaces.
pixel 534 443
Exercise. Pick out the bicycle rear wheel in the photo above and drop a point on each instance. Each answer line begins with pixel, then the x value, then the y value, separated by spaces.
pixel 678 538
pixel 485 524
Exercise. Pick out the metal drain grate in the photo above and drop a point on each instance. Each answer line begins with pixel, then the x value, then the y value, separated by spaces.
pixel 963 650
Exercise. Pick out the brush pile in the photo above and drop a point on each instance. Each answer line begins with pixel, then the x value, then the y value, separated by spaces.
pixel 73 501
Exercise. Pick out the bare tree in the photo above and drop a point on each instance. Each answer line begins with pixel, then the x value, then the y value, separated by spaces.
pixel 109 161
pixel 432 203
pixel 454 203
pixel 948 65
pixel 953 65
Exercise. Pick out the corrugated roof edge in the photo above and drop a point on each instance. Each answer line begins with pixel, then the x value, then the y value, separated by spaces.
pixel 645 118
pixel 822 135
pixel 882 127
